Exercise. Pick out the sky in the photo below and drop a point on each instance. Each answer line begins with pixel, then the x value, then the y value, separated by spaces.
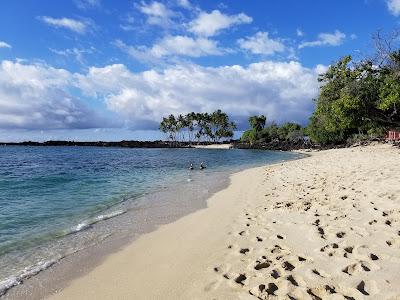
pixel 111 69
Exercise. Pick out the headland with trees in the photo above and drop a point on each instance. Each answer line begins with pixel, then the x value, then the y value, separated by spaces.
pixel 359 100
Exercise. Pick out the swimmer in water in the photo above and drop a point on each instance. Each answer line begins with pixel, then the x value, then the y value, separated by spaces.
pixel 191 167
pixel 202 166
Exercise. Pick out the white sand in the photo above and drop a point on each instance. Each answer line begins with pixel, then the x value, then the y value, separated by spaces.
pixel 324 227
pixel 214 146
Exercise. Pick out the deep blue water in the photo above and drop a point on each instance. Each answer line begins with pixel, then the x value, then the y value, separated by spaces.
pixel 47 193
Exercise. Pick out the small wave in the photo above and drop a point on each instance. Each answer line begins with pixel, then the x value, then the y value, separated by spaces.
pixel 13 281
pixel 32 271
pixel 10 282
pixel 109 216
pixel 88 224
pixel 7 284
pixel 80 227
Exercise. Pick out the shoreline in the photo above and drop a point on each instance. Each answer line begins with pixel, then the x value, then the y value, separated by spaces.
pixel 72 266
pixel 214 146
pixel 145 242
pixel 59 274
pixel 257 240
pixel 223 259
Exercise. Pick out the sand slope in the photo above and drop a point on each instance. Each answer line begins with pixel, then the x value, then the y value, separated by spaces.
pixel 324 227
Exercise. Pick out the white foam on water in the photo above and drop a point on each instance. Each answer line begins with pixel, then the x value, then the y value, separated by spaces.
pixel 7 284
pixel 109 216
pixel 80 227
pixel 88 223
pixel 28 272
pixel 10 282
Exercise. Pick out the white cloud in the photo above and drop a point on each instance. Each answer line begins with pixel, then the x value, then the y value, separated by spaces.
pixel 128 23
pixel 86 4
pixel 299 32
pixel 71 24
pixel 127 27
pixel 261 43
pixel 321 69
pixel 35 96
pixel 210 24
pixel 326 39
pixel 157 13
pixel 4 45
pixel 77 54
pixel 184 45
pixel 394 7
pixel 173 46
pixel 184 3
pixel 282 91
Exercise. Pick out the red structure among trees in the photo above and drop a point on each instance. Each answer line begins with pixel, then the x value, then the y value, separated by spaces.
pixel 393 135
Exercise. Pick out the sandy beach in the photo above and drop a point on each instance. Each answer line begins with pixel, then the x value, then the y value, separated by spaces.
pixel 323 227
pixel 214 146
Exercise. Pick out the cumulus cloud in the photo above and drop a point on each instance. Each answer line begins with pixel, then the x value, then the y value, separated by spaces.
pixel 282 91
pixel 210 24
pixel 261 43
pixel 326 39
pixel 173 46
pixel 394 7
pixel 4 45
pixel 157 13
pixel 36 97
pixel 184 45
pixel 77 26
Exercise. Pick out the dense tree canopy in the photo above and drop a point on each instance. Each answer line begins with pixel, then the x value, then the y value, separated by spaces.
pixel 357 99
pixel 259 133
pixel 200 126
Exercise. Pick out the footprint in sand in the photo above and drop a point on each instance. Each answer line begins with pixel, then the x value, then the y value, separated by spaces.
pixel 244 250
pixel 361 266
pixel 367 288
pixel 341 234
pixel 240 279
pixel 288 266
pixel 275 274
pixel 316 272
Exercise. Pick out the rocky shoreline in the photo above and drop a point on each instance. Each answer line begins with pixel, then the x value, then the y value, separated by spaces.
pixel 277 145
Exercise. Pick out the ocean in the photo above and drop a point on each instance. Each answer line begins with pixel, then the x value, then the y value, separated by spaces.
pixel 55 201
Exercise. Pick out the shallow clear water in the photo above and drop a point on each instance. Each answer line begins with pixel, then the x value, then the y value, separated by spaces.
pixel 50 196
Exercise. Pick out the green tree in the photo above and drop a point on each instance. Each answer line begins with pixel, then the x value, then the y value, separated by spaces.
pixel 257 122
pixel 170 127
pixel 219 126
pixel 212 127
pixel 356 99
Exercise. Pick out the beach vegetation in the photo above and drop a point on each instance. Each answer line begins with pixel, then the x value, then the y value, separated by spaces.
pixel 259 133
pixel 358 98
pixel 211 127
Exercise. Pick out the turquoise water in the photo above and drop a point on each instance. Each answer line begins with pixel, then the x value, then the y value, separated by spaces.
pixel 51 198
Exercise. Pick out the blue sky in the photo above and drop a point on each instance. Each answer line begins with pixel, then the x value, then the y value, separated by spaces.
pixel 101 69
